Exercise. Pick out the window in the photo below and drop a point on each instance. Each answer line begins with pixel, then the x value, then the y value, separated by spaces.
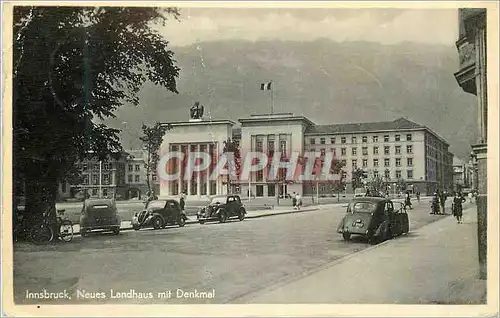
pixel 398 174
pixel 137 168
pixel 343 151
pixel 375 162
pixel 130 168
pixel 387 174
pixel 86 179
pixel 386 150
pixel 322 141
pixel 344 162
pixel 409 149
pixel 409 174
pixel 354 151
pixel 375 150
pixel 365 163
pixel 106 178
pixel 312 141
pixel 334 151
pixel 95 166
pixel 94 192
pixel 353 140
pixel 258 145
pixel 95 179
pixel 84 167
pixel 323 151
pixel 398 162
pixel 375 138
pixel 332 140
pixel 397 137
pixel 398 150
pixel 137 178
pixel 409 162
pixel 387 162
pixel 364 151
pixel 129 178
pixel 408 137
pixel 386 138
pixel 364 139
pixel 283 147
pixel 342 140
pixel 260 175
pixel 354 163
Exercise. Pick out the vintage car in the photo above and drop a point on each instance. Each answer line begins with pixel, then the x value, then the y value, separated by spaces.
pixel 99 214
pixel 375 218
pixel 222 208
pixel 158 214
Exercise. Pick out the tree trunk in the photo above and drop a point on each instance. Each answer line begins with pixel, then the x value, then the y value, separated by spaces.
pixel 41 190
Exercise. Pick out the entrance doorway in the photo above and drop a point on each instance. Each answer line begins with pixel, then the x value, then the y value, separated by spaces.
pixel 259 190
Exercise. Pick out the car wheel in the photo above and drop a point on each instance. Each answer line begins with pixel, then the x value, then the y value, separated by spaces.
pixel 223 217
pixel 116 231
pixel 157 223
pixel 202 221
pixel 241 215
pixel 182 221
pixel 136 228
pixel 84 233
pixel 346 236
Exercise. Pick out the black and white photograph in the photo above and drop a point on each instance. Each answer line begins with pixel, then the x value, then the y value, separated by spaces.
pixel 268 154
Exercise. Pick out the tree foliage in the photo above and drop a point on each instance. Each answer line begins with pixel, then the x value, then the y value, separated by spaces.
pixel 152 139
pixel 376 185
pixel 357 178
pixel 72 68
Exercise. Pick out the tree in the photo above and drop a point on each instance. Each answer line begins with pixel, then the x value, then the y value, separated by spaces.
pixel 357 178
pixel 73 67
pixel 401 184
pixel 376 185
pixel 231 146
pixel 152 139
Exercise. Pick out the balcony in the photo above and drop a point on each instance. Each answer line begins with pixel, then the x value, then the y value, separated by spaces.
pixel 467 57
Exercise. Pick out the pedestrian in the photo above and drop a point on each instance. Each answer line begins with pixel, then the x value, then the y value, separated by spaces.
pixel 470 195
pixel 442 201
pixel 299 201
pixel 408 200
pixel 294 200
pixel 435 204
pixel 182 201
pixel 457 207
pixel 418 196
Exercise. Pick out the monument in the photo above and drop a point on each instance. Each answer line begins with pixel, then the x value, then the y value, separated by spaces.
pixel 196 112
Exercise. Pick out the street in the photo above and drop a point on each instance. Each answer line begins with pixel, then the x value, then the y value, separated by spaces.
pixel 228 260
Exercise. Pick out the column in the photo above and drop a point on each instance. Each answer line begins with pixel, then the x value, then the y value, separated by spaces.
pixel 188 148
pixel 209 183
pixel 198 177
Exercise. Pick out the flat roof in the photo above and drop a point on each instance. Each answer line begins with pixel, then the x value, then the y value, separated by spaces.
pixel 201 122
pixel 276 118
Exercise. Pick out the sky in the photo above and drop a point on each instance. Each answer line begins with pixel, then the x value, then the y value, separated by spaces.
pixel 384 25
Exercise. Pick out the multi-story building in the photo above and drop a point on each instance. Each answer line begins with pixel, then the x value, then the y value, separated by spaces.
pixel 472 78
pixel 395 150
pixel 99 178
pixel 459 174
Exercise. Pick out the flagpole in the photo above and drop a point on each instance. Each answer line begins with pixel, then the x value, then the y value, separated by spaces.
pixel 272 98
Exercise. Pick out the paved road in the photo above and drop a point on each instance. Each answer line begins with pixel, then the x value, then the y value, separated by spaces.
pixel 233 259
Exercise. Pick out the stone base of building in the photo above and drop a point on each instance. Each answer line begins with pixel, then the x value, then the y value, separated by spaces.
pixel 482 234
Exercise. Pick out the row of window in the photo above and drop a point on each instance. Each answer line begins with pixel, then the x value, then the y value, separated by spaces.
pixel 387 162
pixel 354 140
pixel 106 179
pixel 131 167
pixel 270 146
pixel 95 166
pixel 364 150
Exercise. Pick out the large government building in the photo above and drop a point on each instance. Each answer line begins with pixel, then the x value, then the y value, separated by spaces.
pixel 393 150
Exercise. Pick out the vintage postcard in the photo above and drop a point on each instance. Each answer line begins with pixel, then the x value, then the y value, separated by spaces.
pixel 250 158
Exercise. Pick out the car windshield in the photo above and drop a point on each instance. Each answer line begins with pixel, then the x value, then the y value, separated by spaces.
pixel 363 207
pixel 157 204
pixel 218 200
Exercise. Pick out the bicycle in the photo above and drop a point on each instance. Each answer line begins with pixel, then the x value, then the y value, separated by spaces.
pixel 43 231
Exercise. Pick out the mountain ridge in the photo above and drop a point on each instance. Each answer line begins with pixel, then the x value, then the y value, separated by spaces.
pixel 328 82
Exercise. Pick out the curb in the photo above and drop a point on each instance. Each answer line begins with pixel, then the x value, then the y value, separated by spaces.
pixel 247 217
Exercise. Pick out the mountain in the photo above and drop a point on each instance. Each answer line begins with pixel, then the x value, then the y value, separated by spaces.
pixel 327 81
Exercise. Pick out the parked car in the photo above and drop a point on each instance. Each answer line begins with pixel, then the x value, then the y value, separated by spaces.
pixel 375 218
pixel 360 192
pixel 158 214
pixel 221 208
pixel 99 214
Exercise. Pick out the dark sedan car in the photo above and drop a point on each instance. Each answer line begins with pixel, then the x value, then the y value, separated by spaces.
pixel 222 208
pixel 99 214
pixel 375 218
pixel 158 214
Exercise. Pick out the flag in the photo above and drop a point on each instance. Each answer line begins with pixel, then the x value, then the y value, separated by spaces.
pixel 265 86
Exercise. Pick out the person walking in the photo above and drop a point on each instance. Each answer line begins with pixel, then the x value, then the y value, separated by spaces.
pixel 458 200
pixel 182 201
pixel 470 196
pixel 418 196
pixel 294 200
pixel 408 200
pixel 299 201
pixel 435 204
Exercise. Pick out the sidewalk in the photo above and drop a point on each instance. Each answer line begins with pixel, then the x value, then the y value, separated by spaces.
pixel 437 264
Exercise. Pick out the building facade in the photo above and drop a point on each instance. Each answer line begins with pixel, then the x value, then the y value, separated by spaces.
pixel 472 77
pixel 395 150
